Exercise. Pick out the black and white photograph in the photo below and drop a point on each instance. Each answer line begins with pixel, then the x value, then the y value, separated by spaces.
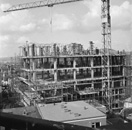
pixel 65 64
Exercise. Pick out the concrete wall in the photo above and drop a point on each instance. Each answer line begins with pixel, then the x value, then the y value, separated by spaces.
pixel 88 122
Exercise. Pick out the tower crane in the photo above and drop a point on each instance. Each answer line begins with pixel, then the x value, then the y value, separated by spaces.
pixel 106 59
pixel 106 37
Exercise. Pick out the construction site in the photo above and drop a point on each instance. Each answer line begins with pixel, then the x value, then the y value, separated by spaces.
pixel 55 72
pixel 69 73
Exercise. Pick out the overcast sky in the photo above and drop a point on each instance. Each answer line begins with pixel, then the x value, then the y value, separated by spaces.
pixel 75 22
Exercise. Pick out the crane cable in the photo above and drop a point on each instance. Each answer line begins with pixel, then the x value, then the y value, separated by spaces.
pixel 51 24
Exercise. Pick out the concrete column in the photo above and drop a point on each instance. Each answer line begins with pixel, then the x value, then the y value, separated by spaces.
pixel 30 64
pixel 42 68
pixel 74 69
pixel 123 73
pixel 92 84
pixel 55 69
pixel 65 63
pixel 124 82
pixel 55 63
pixel 24 63
pixel 40 53
pixel 34 67
pixel 27 50
pixel 75 86
pixel 92 71
pixel 74 72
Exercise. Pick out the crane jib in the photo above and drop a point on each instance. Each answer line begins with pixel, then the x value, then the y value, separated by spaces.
pixel 48 3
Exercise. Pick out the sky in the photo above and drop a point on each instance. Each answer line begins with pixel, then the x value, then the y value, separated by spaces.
pixel 78 22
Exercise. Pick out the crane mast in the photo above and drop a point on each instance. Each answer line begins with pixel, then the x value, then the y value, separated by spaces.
pixel 106 37
pixel 106 40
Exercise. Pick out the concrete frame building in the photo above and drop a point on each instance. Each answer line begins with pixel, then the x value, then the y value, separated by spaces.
pixel 77 67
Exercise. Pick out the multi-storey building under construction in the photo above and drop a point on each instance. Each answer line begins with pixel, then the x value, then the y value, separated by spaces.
pixel 70 72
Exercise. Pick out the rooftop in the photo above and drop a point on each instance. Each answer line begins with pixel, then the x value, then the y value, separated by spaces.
pixel 67 111
pixel 28 111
